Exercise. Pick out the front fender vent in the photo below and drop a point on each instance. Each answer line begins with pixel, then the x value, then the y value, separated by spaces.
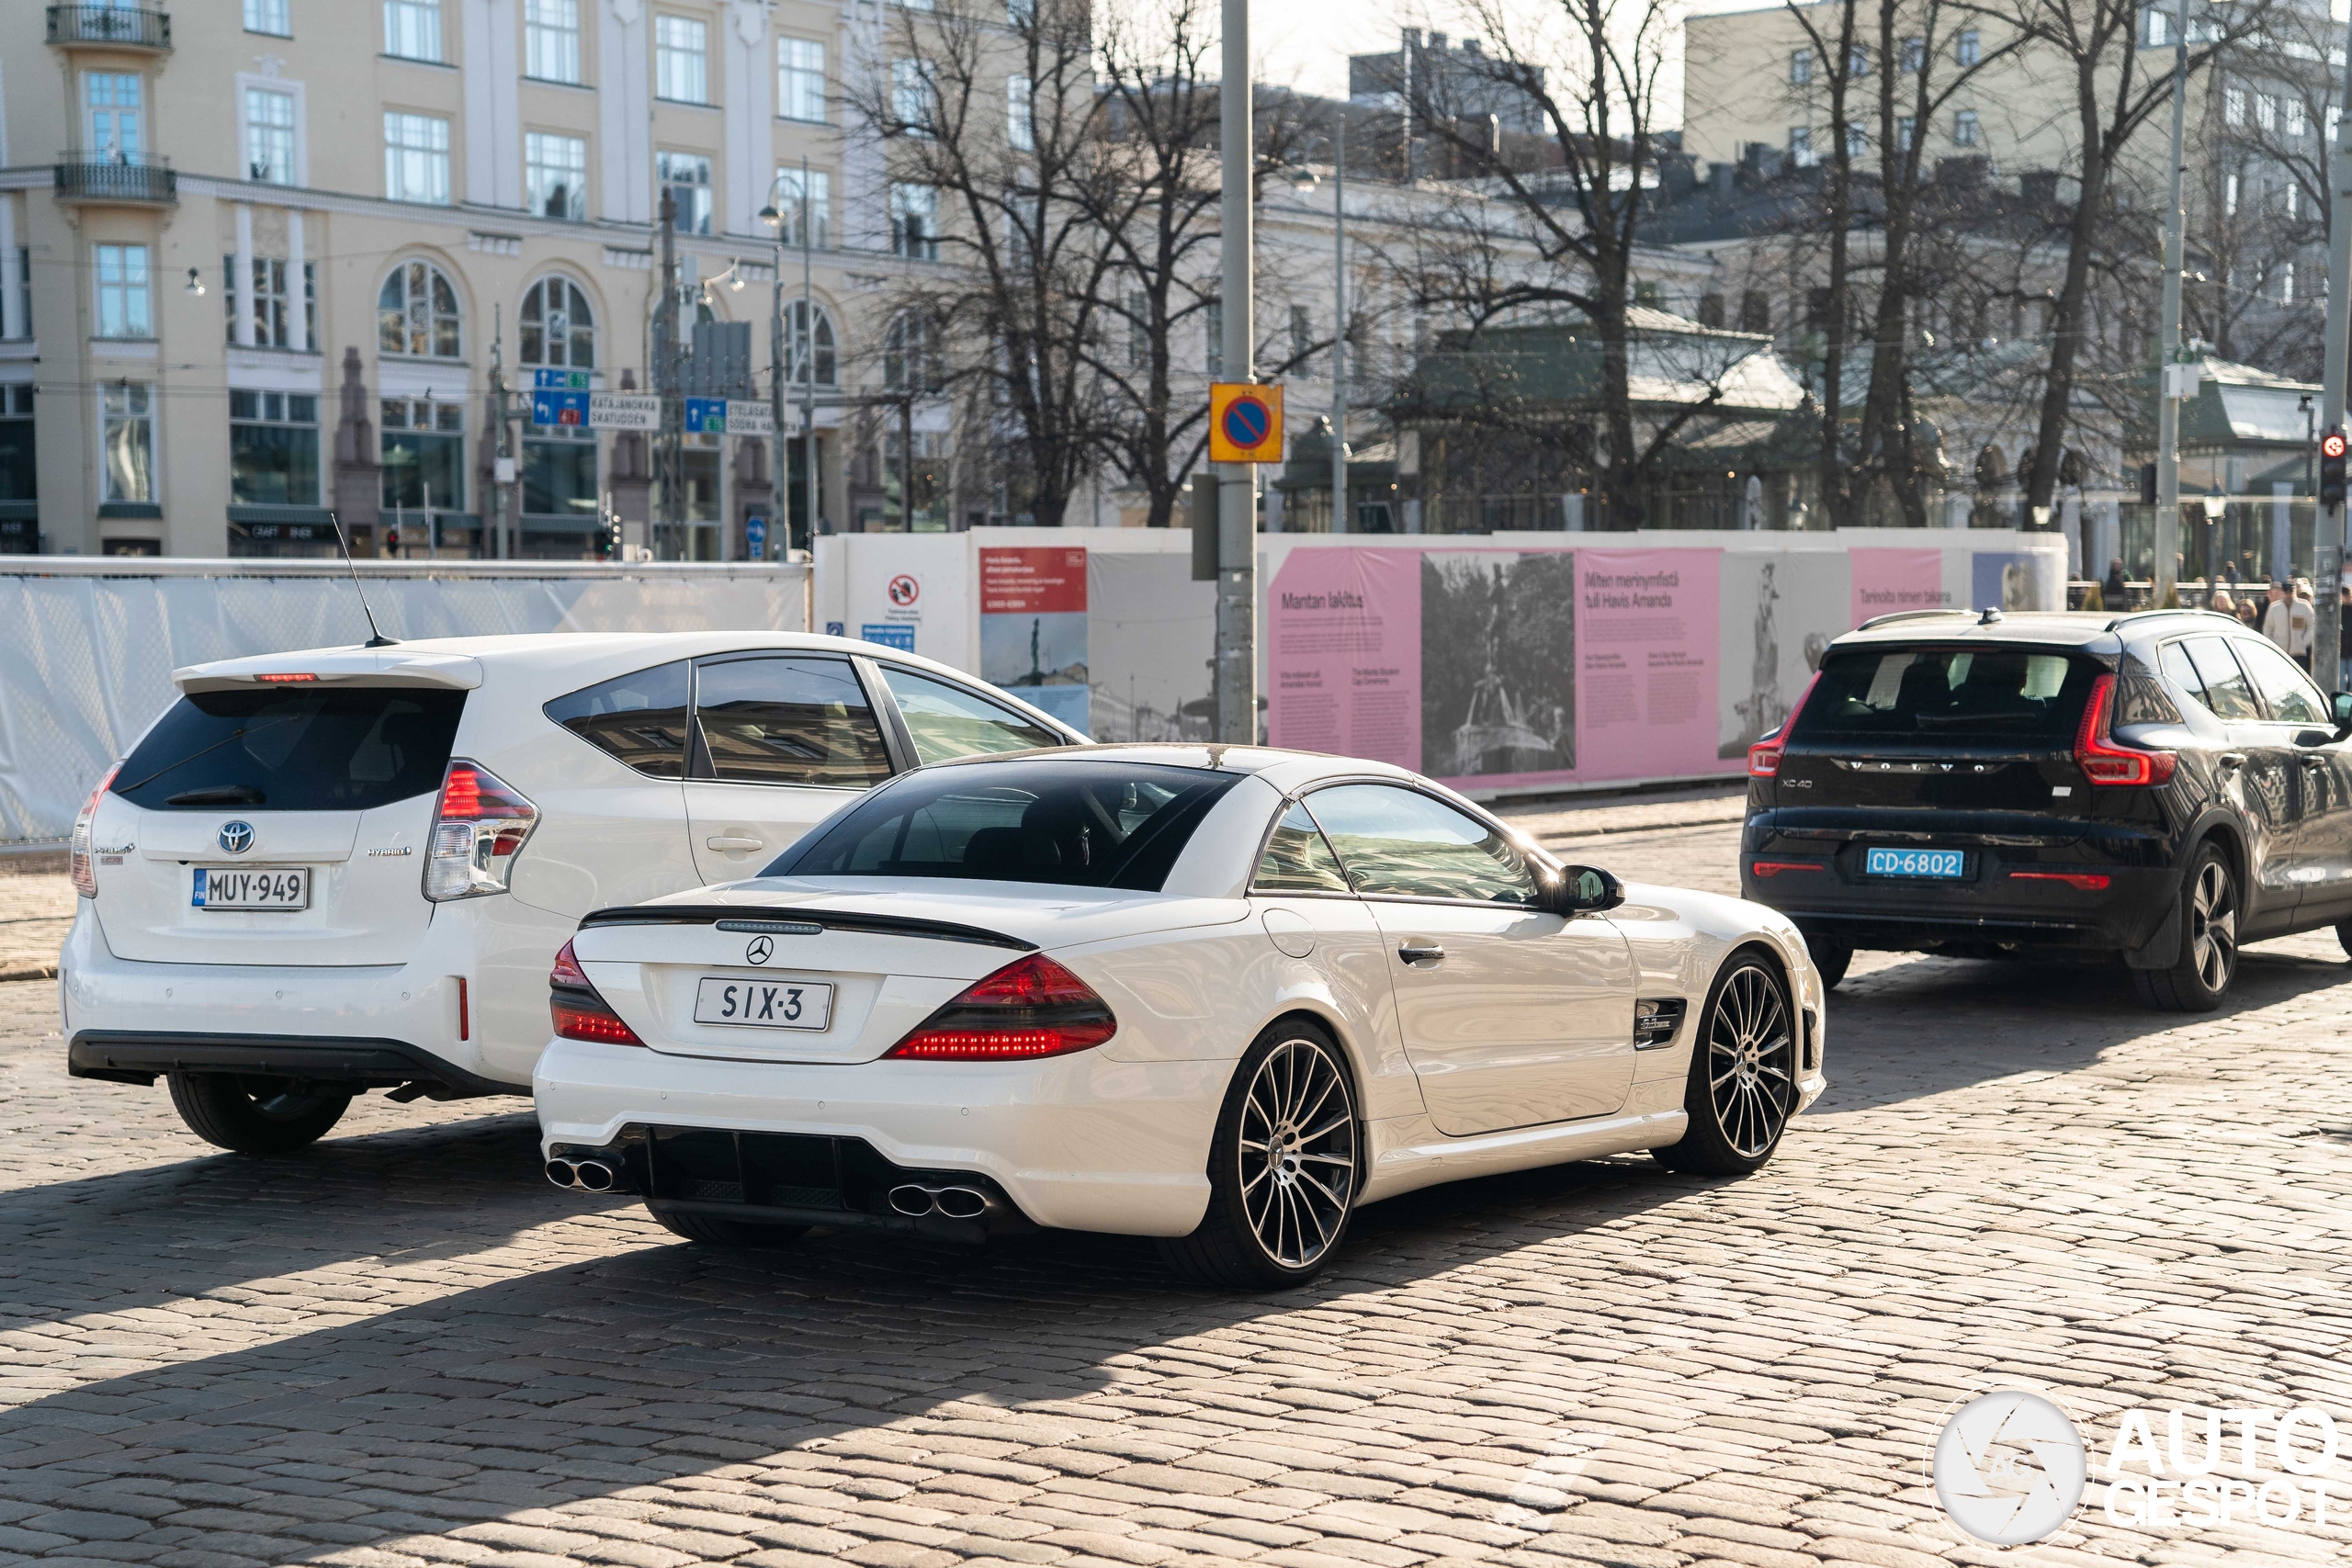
pixel 1656 1020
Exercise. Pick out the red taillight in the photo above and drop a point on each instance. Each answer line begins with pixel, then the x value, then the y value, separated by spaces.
pixel 578 1011
pixel 81 855
pixel 284 680
pixel 2082 881
pixel 1774 867
pixel 481 826
pixel 1764 757
pixel 2103 762
pixel 1031 1008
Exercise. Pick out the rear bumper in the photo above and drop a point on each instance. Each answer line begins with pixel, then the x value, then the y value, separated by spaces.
pixel 1079 1141
pixel 369 1027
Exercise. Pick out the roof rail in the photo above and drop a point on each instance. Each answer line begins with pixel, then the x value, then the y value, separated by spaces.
pixel 1908 616
pixel 2174 610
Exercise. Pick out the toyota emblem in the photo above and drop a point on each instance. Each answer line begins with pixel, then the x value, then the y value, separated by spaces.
pixel 760 950
pixel 236 837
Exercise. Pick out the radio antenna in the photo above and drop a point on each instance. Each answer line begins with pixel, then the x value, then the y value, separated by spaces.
pixel 376 636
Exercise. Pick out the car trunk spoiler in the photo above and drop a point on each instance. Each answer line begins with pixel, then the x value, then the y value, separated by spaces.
pixel 799 921
pixel 341 666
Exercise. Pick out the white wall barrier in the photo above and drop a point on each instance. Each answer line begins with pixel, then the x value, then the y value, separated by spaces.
pixel 1510 663
pixel 87 646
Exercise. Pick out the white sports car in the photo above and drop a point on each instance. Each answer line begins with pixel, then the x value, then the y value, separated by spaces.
pixel 1222 995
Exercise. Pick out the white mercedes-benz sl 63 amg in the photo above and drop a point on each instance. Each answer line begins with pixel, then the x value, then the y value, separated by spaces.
pixel 1222 995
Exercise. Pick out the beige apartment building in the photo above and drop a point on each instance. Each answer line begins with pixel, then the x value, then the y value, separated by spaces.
pixel 262 257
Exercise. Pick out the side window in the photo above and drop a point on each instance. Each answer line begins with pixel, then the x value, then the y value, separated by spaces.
pixel 1298 859
pixel 2181 672
pixel 1403 843
pixel 948 721
pixel 788 721
pixel 2226 691
pixel 2286 690
pixel 638 720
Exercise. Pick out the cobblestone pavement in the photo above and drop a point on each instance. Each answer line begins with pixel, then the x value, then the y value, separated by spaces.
pixel 404 1348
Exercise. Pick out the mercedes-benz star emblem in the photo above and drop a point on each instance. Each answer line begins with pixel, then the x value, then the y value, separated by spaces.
pixel 236 837
pixel 760 949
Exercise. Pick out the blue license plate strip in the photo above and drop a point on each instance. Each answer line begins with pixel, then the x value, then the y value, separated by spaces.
pixel 1933 865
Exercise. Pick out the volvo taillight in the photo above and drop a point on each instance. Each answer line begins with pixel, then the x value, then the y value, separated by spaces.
pixel 81 854
pixel 479 827
pixel 1031 1008
pixel 2103 762
pixel 1764 757
pixel 576 1009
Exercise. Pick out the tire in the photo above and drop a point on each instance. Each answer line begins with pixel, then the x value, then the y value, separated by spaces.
pixel 1743 1083
pixel 709 1230
pixel 2344 939
pixel 2208 961
pixel 254 1116
pixel 1831 957
pixel 1284 1167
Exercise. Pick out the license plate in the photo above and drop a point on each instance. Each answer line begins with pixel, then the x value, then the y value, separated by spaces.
pixel 1946 864
pixel 251 887
pixel 763 1004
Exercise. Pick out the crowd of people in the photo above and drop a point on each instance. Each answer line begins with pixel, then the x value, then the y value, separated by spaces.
pixel 2285 614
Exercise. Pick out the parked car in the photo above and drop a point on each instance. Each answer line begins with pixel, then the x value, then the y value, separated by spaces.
pixel 2154 789
pixel 1220 996
pixel 346 869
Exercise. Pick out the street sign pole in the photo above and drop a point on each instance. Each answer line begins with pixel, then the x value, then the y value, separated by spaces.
pixel 2327 533
pixel 1236 581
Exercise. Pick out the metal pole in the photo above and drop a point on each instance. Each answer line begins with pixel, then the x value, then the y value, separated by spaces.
pixel 502 453
pixel 2167 408
pixel 2327 531
pixel 808 383
pixel 1342 515
pixel 669 457
pixel 779 484
pixel 1236 589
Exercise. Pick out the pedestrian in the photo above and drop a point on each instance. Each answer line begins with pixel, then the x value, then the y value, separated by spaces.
pixel 2222 603
pixel 2292 622
pixel 2343 640
pixel 2249 614
pixel 2113 591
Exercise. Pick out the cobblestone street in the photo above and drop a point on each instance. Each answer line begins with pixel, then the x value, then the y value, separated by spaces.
pixel 406 1347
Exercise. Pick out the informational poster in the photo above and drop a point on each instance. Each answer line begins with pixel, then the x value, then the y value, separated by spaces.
pixel 1499 676
pixel 2011 580
pixel 1888 582
pixel 1152 631
pixel 1343 657
pixel 1646 641
pixel 1780 610
pixel 1032 628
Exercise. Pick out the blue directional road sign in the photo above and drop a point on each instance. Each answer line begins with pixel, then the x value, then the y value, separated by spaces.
pixel 755 537
pixel 706 416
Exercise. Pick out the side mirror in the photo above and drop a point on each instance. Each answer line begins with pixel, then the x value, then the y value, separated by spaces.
pixel 2342 704
pixel 1583 890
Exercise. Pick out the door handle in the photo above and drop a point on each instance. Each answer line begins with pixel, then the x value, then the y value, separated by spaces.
pixel 2312 760
pixel 1413 952
pixel 2232 761
pixel 723 841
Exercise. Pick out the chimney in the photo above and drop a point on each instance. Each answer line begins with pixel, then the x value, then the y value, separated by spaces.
pixel 1720 177
pixel 1473 48
pixel 1437 43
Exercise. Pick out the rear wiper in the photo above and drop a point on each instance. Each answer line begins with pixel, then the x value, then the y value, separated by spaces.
pixel 219 795
pixel 237 734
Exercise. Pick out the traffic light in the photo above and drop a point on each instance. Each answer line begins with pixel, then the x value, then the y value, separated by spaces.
pixel 392 541
pixel 2147 484
pixel 2331 468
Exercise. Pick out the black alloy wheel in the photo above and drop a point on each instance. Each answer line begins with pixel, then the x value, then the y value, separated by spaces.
pixel 253 1115
pixel 1743 1083
pixel 2199 975
pixel 1282 1167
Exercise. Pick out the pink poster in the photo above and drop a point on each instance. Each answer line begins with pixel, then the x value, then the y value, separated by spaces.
pixel 1646 642
pixel 1344 654
pixel 1886 582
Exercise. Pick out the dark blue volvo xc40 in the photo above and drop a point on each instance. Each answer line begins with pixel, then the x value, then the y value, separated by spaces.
pixel 2153 789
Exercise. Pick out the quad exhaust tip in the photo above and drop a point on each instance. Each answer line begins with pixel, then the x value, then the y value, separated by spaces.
pixel 914 1201
pixel 584 1176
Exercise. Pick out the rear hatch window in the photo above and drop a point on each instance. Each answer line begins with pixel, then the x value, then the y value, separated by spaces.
pixel 1071 824
pixel 281 749
pixel 2010 699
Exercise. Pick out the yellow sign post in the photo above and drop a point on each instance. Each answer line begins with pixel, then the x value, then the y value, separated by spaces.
pixel 1245 423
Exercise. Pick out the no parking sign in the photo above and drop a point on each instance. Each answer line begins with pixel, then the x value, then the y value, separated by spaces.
pixel 1245 423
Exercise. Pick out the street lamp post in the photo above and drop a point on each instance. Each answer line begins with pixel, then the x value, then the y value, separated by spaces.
pixel 804 360
pixel 1305 180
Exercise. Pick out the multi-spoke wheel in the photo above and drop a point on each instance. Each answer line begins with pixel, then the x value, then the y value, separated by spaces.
pixel 1743 1084
pixel 2201 974
pixel 1283 1167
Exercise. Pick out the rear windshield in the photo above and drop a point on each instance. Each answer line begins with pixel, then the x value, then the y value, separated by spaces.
pixel 1091 824
pixel 1998 696
pixel 301 748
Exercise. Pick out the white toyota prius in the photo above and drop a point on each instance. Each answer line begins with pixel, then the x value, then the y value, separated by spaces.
pixel 1218 996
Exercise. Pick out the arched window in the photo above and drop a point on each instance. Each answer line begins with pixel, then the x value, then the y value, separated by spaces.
pixel 909 360
pixel 417 313
pixel 798 355
pixel 559 326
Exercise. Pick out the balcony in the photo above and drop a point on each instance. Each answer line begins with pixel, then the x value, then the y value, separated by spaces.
pixel 117 181
pixel 110 27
